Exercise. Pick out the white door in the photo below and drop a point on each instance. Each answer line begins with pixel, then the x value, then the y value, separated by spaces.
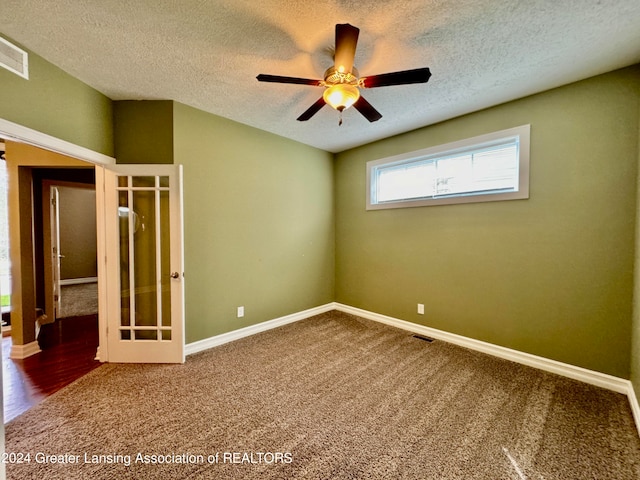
pixel 144 263
pixel 55 249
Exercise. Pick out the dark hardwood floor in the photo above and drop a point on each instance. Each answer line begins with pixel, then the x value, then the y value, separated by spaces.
pixel 68 352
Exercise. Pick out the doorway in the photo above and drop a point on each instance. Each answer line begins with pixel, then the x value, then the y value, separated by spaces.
pixel 48 348
pixel 66 270
pixel 169 340
pixel 69 241
pixel 18 133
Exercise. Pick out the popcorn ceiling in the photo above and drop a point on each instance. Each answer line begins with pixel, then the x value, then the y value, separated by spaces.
pixel 206 54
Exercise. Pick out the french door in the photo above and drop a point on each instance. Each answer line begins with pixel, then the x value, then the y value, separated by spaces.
pixel 144 263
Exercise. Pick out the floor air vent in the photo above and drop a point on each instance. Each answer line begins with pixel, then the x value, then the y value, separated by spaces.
pixel 14 59
pixel 426 339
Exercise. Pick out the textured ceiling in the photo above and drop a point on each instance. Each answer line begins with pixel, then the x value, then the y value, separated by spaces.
pixel 207 53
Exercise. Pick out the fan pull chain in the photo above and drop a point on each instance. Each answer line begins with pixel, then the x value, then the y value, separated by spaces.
pixel 340 118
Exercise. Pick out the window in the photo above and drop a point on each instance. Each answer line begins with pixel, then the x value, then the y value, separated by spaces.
pixel 481 169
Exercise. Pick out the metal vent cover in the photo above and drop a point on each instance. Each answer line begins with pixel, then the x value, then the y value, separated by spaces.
pixel 14 58
pixel 422 337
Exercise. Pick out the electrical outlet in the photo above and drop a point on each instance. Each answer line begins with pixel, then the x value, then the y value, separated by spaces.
pixel 421 308
pixel 240 312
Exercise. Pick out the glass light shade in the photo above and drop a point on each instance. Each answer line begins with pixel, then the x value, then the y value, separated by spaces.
pixel 341 96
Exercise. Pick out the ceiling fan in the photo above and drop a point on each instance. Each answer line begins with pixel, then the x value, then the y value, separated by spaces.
pixel 342 82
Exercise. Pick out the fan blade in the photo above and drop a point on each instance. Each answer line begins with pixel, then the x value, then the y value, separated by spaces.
pixel 278 79
pixel 419 75
pixel 367 110
pixel 346 42
pixel 312 110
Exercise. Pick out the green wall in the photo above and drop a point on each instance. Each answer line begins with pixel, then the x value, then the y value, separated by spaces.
pixel 57 104
pixel 635 342
pixel 551 275
pixel 143 131
pixel 259 223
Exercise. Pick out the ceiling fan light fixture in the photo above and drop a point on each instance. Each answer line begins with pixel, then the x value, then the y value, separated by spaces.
pixel 341 96
pixel 342 80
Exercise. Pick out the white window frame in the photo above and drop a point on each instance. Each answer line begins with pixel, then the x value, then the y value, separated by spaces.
pixel 521 133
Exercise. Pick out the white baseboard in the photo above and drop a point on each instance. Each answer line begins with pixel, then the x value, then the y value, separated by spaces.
pixel 207 343
pixel 20 352
pixel 577 373
pixel 635 406
pixel 598 379
pixel 78 281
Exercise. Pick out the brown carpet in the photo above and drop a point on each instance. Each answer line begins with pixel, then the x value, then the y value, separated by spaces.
pixel 331 397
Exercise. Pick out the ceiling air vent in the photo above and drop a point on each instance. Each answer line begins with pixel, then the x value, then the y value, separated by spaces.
pixel 14 59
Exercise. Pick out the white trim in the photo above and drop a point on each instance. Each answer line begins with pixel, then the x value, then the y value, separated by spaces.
pixel 207 343
pixel 78 281
pixel 635 406
pixel 609 382
pixel 102 353
pixel 19 352
pixel 522 133
pixel 13 131
pixel 603 380
pixel 584 375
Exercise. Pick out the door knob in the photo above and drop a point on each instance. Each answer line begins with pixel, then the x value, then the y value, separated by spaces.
pixel 175 275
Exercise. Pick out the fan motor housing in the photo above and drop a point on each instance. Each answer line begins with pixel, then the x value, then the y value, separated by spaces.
pixel 334 77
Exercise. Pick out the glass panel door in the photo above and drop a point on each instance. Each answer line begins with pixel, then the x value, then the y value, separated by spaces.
pixel 145 246
pixel 149 325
